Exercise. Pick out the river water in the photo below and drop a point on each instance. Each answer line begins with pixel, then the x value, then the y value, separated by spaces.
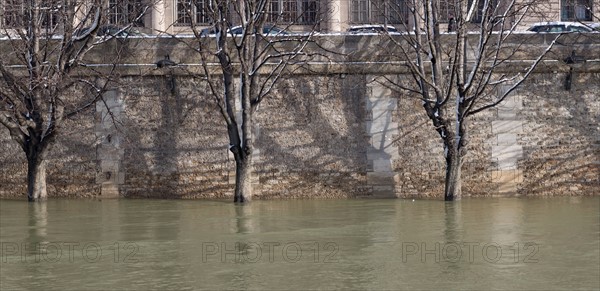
pixel 504 244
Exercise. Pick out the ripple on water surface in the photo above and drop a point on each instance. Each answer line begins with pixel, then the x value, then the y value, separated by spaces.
pixel 306 244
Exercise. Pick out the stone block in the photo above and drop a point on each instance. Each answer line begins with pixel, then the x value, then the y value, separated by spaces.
pixel 381 123
pixel 100 178
pixel 383 192
pixel 507 126
pixel 368 115
pixel 120 178
pixel 109 152
pixel 392 151
pixel 378 90
pixel 108 177
pixel 375 126
pixel 380 178
pixel 507 114
pixel 507 138
pixel 507 180
pixel 382 141
pixel 382 104
pixel 382 165
pixel 507 156
pixel 508 164
pixel 369 166
pixel 231 178
pixel 501 152
pixel 110 165
pixel 511 103
pixel 376 154
pixel 100 128
pixel 109 191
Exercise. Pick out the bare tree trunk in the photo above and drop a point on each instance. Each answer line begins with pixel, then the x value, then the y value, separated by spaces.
pixel 243 183
pixel 243 162
pixel 36 174
pixel 453 176
pixel 259 62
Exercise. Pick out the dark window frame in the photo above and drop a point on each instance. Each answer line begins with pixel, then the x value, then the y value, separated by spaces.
pixel 303 12
pixel 185 9
pixel 447 10
pixel 14 14
pixel 378 11
pixel 478 17
pixel 125 12
pixel 576 10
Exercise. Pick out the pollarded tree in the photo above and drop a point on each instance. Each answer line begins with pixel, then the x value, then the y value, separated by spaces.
pixel 247 47
pixel 458 73
pixel 48 40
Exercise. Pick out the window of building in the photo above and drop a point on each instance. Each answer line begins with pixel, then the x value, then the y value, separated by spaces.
pixel 13 13
pixel 378 11
pixel 576 10
pixel 359 11
pixel 447 10
pixel 49 14
pixel 292 11
pixel 477 16
pixel 124 12
pixel 195 11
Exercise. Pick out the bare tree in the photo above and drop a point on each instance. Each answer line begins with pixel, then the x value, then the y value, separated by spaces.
pixel 459 74
pixel 49 39
pixel 244 45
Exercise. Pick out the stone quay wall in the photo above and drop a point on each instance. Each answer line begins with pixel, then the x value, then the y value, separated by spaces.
pixel 327 132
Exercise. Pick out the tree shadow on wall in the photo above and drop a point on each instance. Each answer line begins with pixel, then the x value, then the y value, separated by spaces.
pixel 169 131
pixel 312 139
pixel 564 156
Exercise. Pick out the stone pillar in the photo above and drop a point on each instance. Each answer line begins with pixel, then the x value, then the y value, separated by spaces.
pixel 158 17
pixel 109 150
pixel 506 151
pixel 382 131
pixel 336 15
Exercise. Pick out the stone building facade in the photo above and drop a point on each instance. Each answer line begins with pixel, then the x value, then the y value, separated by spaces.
pixel 175 16
pixel 329 133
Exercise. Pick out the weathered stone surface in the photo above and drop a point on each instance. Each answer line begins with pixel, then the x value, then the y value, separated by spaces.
pixel 320 136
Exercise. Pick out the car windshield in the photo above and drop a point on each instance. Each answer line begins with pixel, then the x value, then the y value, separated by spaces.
pixel 372 29
pixel 558 28
pixel 270 30
pixel 111 31
pixel 578 28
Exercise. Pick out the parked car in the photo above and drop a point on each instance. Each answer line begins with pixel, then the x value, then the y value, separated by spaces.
pixel 267 30
pixel 559 27
pixel 208 31
pixel 237 30
pixel 111 30
pixel 372 28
